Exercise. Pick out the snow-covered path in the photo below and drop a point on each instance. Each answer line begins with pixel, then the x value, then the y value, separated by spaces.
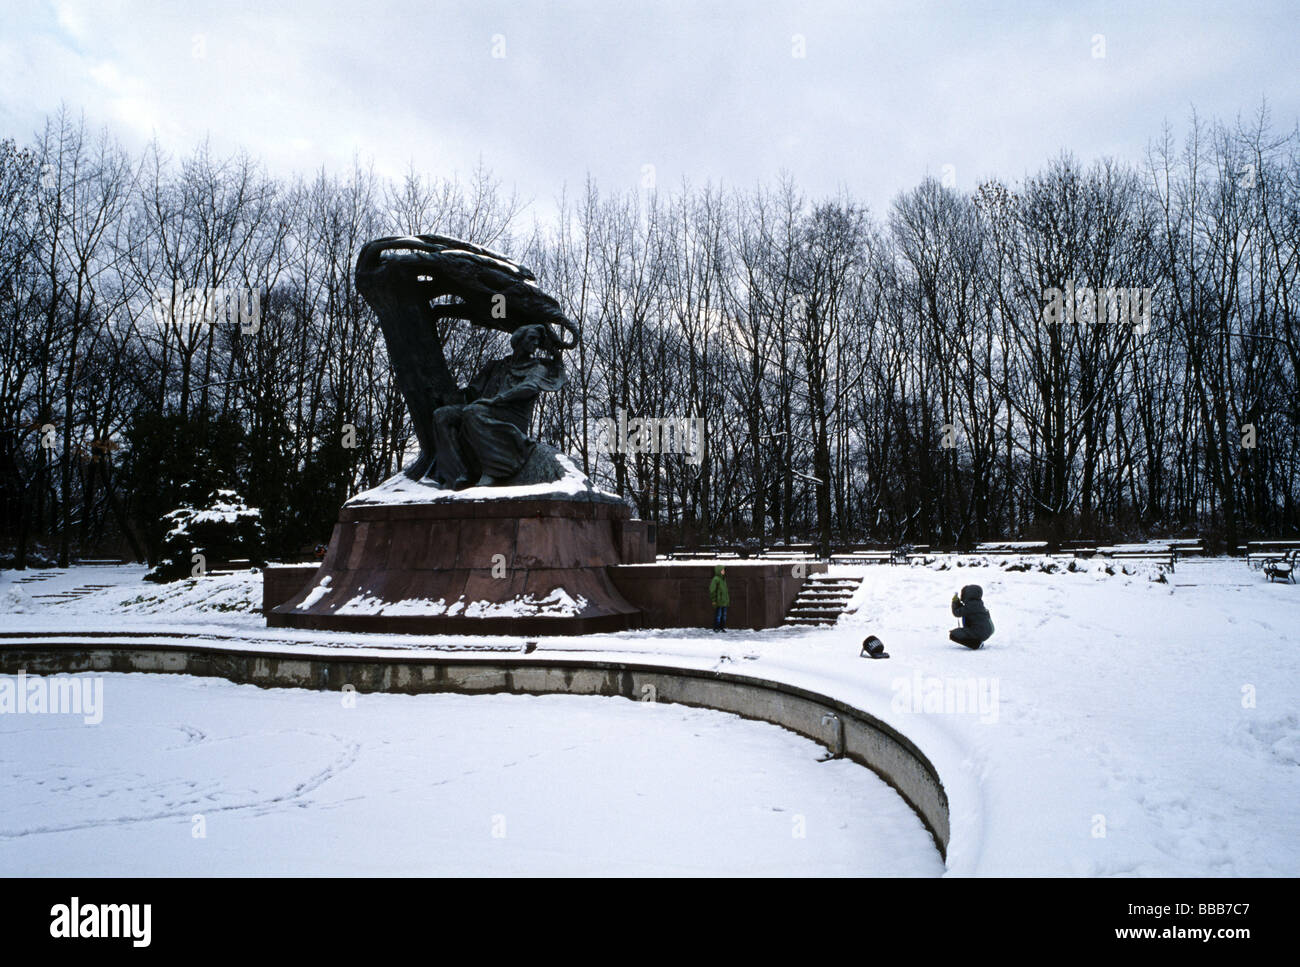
pixel 1128 727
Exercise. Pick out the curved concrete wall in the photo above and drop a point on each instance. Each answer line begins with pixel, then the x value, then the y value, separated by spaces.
pixel 844 730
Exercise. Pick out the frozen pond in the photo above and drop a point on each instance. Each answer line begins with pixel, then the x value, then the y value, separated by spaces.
pixel 196 776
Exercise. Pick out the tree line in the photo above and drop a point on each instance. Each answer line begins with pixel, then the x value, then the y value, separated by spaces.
pixel 1094 351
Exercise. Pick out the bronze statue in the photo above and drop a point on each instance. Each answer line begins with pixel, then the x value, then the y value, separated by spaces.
pixel 488 433
pixel 476 434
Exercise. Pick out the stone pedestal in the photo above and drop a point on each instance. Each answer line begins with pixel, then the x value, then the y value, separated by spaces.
pixel 501 566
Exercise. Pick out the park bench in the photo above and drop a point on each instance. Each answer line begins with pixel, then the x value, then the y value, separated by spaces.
pixel 861 554
pixel 863 557
pixel 1259 553
pixel 907 553
pixel 1282 569
pixel 1079 548
pixel 1158 553
pixel 1011 547
pixel 1277 559
pixel 1187 546
pixel 783 552
pixel 227 567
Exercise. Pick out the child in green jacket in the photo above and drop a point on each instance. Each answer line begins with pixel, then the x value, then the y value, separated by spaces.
pixel 720 597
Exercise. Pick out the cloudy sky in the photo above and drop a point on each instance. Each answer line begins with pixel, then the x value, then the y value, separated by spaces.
pixel 870 97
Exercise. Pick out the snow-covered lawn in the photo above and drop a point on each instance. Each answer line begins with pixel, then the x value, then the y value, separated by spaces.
pixel 1141 728
pixel 1119 726
pixel 53 596
pixel 293 782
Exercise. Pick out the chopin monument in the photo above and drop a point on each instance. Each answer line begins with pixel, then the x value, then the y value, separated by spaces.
pixel 489 531
pixel 477 433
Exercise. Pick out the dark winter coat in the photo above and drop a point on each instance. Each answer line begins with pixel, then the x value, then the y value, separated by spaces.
pixel 718 592
pixel 970 608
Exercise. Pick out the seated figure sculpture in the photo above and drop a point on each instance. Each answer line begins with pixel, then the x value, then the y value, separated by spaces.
pixel 478 433
pixel 486 436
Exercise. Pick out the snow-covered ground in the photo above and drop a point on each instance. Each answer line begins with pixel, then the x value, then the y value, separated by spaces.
pixel 1113 725
pixel 295 782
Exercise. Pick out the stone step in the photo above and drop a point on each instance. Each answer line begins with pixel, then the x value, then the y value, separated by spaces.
pixel 821 601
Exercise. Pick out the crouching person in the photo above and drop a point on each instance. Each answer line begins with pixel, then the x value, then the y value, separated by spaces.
pixel 976 625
